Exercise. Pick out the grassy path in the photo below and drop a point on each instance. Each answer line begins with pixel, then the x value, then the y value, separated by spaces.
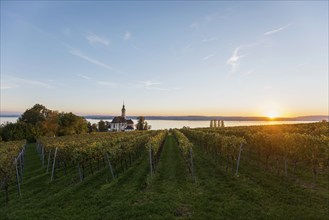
pixel 254 195
pixel 168 195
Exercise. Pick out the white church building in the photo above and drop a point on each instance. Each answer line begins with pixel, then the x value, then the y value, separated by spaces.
pixel 120 123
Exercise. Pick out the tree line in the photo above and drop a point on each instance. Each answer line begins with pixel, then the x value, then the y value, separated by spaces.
pixel 39 121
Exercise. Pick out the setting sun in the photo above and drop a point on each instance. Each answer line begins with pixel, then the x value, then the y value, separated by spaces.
pixel 272 115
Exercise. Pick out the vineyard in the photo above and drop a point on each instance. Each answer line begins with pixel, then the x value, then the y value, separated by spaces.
pixel 282 149
pixel 271 172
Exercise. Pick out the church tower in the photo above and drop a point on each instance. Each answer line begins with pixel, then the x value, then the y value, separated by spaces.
pixel 123 111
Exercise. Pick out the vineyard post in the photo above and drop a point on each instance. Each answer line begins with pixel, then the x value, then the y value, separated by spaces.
pixel 48 160
pixel 23 154
pixel 285 167
pixel 17 178
pixel 238 162
pixel 43 155
pixel 20 166
pixel 110 166
pixel 192 166
pixel 150 157
pixel 53 171
pixel 79 170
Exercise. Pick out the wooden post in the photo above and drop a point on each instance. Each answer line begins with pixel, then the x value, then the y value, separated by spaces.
pixel 80 174
pixel 43 155
pixel 20 166
pixel 48 160
pixel 238 162
pixel 54 162
pixel 110 166
pixel 192 166
pixel 17 178
pixel 151 163
pixel 285 167
pixel 23 154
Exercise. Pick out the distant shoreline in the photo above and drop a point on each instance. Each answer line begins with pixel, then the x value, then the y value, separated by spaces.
pixel 203 118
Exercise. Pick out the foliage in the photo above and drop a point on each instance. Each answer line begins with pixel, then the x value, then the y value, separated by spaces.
pixel 280 148
pixel 8 152
pixel 215 195
pixel 102 126
pixel 40 121
pixel 142 124
pixel 85 149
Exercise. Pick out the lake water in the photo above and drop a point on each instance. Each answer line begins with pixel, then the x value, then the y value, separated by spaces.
pixel 166 124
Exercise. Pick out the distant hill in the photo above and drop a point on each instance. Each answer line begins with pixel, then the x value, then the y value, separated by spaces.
pixel 225 118
pixel 205 118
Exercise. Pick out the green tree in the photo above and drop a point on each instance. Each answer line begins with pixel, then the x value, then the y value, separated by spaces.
pixel 102 126
pixel 34 115
pixel 17 131
pixel 70 123
pixel 142 124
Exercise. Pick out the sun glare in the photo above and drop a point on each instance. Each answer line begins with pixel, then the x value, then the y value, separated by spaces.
pixel 272 115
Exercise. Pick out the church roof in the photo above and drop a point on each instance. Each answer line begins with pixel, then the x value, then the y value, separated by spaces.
pixel 129 128
pixel 129 121
pixel 118 119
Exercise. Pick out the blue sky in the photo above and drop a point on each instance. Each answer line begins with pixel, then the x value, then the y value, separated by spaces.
pixel 166 58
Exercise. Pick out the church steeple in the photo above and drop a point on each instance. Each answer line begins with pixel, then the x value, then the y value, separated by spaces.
pixel 123 111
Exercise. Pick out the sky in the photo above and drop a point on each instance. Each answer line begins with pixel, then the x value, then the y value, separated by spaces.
pixel 240 58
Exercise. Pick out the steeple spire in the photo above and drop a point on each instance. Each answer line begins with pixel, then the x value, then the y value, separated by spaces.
pixel 123 110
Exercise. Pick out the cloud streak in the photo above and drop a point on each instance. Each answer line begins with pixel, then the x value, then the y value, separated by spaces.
pixel 95 39
pixel 205 40
pixel 84 77
pixel 106 83
pixel 16 82
pixel 195 26
pixel 277 30
pixel 127 36
pixel 6 87
pixel 89 59
pixel 151 85
pixel 208 57
pixel 233 61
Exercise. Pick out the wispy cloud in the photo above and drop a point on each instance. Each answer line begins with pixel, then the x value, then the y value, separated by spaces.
pixel 106 83
pixel 84 77
pixel 248 73
pixel 66 31
pixel 233 61
pixel 95 39
pixel 149 83
pixel 8 86
pixel 127 36
pixel 89 59
pixel 195 26
pixel 97 81
pixel 208 57
pixel 188 47
pixel 277 30
pixel 302 65
pixel 205 40
pixel 15 82
pixel 78 53
pixel 208 18
pixel 152 85
pixel 33 82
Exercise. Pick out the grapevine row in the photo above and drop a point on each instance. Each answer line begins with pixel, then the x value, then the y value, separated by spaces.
pixel 114 149
pixel 154 146
pixel 186 148
pixel 11 164
pixel 219 146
